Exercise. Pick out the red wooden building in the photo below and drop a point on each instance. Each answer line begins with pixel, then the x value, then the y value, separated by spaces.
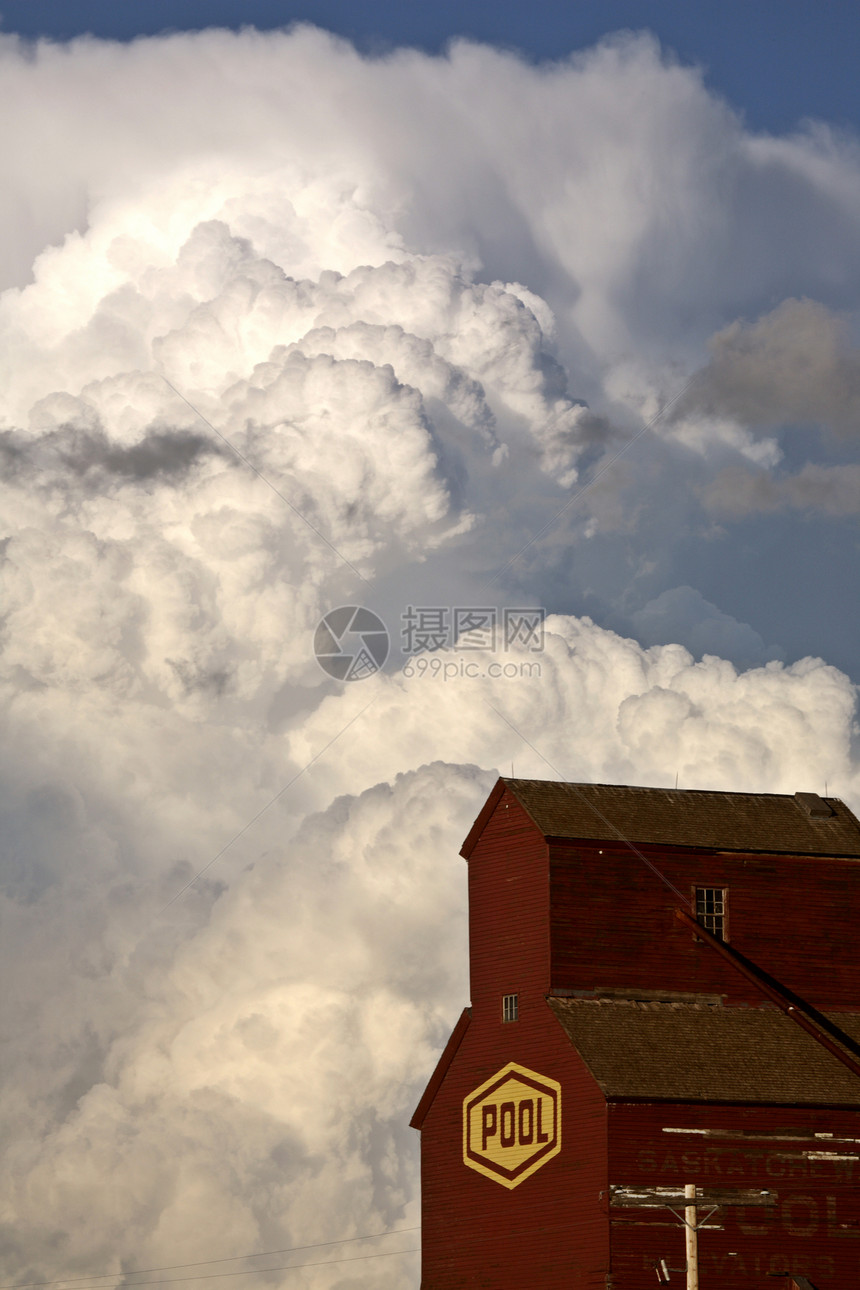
pixel 665 991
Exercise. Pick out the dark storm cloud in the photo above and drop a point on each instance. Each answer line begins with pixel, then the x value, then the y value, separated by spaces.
pixel 739 491
pixel 796 364
pixel 89 455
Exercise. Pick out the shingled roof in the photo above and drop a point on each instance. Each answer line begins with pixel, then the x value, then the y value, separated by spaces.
pixel 799 824
pixel 705 1052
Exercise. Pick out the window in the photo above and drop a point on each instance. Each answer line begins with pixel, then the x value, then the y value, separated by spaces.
pixel 712 910
pixel 510 1007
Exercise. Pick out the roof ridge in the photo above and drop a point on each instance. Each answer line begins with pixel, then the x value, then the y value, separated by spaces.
pixel 658 788
pixel 798 824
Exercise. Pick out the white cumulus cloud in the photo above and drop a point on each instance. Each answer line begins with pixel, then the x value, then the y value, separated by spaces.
pixel 286 328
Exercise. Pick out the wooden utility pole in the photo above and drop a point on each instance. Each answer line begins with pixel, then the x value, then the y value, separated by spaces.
pixel 692 1198
pixel 691 1230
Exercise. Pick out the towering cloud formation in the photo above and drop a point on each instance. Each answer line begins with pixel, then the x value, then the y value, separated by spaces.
pixel 286 329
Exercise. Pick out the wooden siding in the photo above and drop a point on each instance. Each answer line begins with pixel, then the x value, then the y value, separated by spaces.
pixel 812 1231
pixel 586 917
pixel 613 925
pixel 549 1230
pixel 508 914
pixel 552 1231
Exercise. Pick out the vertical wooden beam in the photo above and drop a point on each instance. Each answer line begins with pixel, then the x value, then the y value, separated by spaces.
pixel 691 1232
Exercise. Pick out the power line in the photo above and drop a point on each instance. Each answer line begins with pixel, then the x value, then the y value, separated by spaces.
pixel 176 1267
pixel 631 846
pixel 247 1272
pixel 263 809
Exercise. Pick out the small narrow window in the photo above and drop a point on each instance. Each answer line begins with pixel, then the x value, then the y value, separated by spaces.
pixel 510 1007
pixel 712 910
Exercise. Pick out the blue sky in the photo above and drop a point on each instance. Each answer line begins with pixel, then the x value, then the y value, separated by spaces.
pixel 777 60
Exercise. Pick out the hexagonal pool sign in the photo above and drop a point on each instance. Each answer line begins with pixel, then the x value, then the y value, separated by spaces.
pixel 512 1124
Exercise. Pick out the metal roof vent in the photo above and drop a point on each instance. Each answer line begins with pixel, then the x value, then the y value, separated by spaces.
pixel 813 806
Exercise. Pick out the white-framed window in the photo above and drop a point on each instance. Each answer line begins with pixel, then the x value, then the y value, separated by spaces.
pixel 510 1007
pixel 712 910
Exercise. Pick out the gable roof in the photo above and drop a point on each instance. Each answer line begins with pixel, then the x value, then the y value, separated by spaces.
pixel 449 1052
pixel 794 824
pixel 698 1051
